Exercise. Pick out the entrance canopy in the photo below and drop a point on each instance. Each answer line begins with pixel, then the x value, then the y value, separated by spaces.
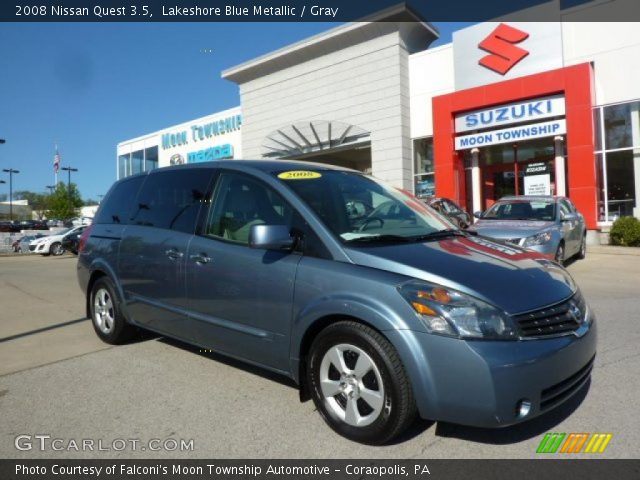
pixel 310 137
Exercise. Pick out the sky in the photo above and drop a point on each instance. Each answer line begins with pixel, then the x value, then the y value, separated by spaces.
pixel 87 87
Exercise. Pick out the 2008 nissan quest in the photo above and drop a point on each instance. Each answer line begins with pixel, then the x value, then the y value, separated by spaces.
pixel 373 303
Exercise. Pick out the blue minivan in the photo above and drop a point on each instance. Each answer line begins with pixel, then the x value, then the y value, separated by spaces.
pixel 377 306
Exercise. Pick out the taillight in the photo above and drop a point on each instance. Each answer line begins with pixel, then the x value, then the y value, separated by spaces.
pixel 84 237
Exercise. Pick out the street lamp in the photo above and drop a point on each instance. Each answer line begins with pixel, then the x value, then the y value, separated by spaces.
pixel 51 188
pixel 69 170
pixel 2 140
pixel 10 171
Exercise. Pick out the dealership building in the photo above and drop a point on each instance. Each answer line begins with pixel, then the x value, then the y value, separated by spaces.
pixel 506 108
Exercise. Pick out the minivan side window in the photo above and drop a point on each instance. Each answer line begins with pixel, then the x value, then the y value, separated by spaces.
pixel 172 199
pixel 240 202
pixel 117 203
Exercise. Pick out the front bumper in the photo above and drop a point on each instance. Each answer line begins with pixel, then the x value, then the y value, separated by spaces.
pixel 480 383
pixel 547 249
pixel 39 248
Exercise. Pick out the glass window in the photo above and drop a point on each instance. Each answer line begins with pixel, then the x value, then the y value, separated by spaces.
pixel 123 166
pixel 620 184
pixel 240 202
pixel 137 162
pixel 150 159
pixel 597 115
pixel 619 122
pixel 116 205
pixel 172 199
pixel 423 155
pixel 359 209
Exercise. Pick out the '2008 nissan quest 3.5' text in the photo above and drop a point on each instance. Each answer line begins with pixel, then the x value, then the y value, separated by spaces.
pixel 372 302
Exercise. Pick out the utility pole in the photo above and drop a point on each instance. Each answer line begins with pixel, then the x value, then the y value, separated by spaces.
pixel 10 171
pixel 69 170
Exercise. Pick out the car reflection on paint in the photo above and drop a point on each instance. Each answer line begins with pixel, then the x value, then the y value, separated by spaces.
pixel 549 225
pixel 451 210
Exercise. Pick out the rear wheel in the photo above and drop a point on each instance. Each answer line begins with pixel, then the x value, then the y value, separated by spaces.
pixel 358 383
pixel 106 316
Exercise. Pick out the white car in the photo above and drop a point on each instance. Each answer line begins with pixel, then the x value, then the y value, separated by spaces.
pixel 51 244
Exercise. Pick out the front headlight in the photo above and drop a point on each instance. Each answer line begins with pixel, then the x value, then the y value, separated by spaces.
pixel 537 239
pixel 448 312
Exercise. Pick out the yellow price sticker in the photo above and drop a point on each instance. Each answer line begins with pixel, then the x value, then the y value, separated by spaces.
pixel 299 175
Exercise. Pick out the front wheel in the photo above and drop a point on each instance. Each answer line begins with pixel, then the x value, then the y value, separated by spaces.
pixel 582 253
pixel 358 383
pixel 56 249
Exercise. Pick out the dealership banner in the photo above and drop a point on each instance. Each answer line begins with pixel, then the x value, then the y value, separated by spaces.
pixel 317 469
pixel 513 134
pixel 310 11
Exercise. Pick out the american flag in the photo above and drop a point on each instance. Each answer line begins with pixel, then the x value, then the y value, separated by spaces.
pixel 56 161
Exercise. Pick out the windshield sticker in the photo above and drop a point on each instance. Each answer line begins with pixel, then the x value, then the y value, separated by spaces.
pixel 299 175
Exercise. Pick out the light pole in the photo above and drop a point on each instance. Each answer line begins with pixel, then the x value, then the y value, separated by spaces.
pixel 10 171
pixel 51 188
pixel 69 170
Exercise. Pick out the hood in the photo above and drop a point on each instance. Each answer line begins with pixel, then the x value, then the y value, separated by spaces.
pixel 509 228
pixel 510 278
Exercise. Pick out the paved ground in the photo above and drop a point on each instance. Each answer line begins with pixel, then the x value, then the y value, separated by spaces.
pixel 56 378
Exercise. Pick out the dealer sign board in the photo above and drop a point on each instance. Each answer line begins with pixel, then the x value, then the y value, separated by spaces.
pixel 490 52
pixel 513 134
pixel 518 112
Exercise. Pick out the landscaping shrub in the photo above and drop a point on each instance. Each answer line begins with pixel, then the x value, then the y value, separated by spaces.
pixel 625 231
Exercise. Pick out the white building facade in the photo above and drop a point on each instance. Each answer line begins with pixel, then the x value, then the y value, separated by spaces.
pixel 506 108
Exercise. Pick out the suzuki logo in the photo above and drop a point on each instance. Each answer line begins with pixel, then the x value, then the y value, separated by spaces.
pixel 501 44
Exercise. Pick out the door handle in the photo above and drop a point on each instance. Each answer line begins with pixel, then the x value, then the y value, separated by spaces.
pixel 173 254
pixel 201 258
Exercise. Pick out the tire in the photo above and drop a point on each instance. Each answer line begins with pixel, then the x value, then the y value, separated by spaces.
pixel 56 249
pixel 560 254
pixel 106 314
pixel 582 253
pixel 388 406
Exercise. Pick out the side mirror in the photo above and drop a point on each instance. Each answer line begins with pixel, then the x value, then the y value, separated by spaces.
pixel 271 237
pixel 568 217
pixel 477 214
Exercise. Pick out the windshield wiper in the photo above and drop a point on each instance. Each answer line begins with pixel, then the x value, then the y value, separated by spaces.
pixel 380 238
pixel 448 232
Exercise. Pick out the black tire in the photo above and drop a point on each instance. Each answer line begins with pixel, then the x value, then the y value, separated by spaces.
pixel 56 249
pixel 121 331
pixel 560 254
pixel 582 253
pixel 398 410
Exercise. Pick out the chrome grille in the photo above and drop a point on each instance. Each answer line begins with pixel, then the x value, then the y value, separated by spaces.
pixel 561 318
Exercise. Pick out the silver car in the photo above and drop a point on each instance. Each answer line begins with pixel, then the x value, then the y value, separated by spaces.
pixel 546 224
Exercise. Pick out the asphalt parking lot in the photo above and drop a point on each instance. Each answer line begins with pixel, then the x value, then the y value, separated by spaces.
pixel 58 379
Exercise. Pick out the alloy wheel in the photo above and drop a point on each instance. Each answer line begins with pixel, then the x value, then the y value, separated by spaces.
pixel 103 312
pixel 351 385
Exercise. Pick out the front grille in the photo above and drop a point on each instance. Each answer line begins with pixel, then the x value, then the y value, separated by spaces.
pixel 560 391
pixel 562 318
pixel 32 247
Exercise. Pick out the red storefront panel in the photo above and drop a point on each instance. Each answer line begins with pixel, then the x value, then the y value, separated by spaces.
pixel 575 82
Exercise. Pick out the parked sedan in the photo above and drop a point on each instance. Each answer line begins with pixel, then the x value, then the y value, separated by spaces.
pixel 451 210
pixel 51 244
pixel 22 244
pixel 549 225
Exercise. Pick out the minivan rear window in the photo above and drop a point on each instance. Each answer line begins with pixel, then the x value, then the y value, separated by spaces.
pixel 172 199
pixel 118 202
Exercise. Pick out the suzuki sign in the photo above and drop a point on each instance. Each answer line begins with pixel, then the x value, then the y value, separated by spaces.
pixel 518 112
pixel 490 52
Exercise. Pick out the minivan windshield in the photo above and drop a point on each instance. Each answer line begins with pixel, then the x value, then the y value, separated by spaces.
pixel 531 210
pixel 360 209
